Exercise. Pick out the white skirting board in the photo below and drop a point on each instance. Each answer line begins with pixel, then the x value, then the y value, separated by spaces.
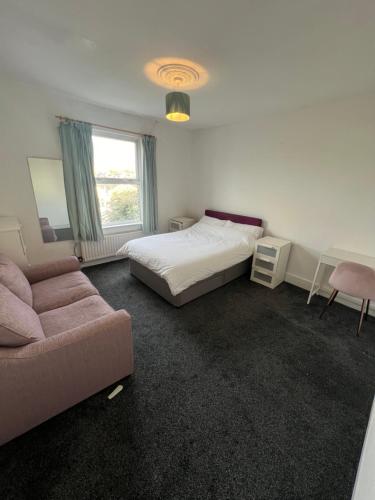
pixel 325 291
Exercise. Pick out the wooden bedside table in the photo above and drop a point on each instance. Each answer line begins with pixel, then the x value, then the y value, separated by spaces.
pixel 269 261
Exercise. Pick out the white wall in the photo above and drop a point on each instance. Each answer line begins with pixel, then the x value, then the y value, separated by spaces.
pixel 309 174
pixel 28 128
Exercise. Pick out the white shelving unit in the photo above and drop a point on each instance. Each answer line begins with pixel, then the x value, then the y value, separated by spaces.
pixel 270 260
pixel 11 241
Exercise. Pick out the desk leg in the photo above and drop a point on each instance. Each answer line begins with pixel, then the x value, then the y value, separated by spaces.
pixel 314 290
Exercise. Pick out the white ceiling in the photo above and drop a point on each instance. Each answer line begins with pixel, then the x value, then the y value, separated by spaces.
pixel 263 56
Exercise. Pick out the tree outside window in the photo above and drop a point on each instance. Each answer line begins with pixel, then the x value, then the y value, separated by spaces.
pixel 117 178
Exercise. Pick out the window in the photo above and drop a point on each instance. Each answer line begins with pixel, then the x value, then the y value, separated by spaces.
pixel 116 169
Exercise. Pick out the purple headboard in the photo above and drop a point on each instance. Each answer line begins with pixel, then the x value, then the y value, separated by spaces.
pixel 240 219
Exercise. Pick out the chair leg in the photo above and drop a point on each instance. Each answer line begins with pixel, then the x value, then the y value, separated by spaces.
pixel 361 318
pixel 367 308
pixel 330 300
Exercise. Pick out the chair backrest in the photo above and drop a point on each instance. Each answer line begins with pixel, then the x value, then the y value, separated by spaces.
pixel 44 221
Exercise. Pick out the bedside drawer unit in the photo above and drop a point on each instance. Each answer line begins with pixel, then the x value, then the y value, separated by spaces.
pixel 264 264
pixel 262 278
pixel 266 250
pixel 179 223
pixel 175 226
pixel 269 261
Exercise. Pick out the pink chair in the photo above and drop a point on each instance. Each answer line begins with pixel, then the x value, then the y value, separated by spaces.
pixel 355 280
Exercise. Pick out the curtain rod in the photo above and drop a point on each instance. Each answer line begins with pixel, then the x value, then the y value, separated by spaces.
pixel 65 118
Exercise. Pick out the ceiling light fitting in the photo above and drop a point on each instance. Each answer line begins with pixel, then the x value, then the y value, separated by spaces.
pixel 180 75
pixel 176 74
pixel 177 107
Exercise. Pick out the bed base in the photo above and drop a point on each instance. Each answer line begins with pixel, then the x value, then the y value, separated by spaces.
pixel 161 287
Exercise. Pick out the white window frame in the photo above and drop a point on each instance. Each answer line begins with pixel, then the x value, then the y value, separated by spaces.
pixel 113 134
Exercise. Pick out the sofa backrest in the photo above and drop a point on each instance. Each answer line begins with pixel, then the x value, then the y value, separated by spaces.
pixel 19 323
pixel 13 278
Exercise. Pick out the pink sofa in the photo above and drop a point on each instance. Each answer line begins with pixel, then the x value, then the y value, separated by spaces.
pixel 60 342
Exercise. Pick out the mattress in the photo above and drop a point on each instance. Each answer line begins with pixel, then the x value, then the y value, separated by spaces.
pixel 187 257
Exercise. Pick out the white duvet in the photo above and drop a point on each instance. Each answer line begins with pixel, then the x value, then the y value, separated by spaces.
pixel 185 257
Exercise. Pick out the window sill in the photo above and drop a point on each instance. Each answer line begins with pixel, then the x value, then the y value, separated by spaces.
pixel 122 228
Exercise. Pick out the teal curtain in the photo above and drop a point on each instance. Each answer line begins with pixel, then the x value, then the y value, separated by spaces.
pixel 149 187
pixel 80 186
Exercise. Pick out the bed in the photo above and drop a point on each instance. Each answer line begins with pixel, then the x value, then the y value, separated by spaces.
pixel 184 265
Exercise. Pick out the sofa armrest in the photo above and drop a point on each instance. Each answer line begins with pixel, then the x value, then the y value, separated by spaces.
pixel 39 380
pixel 48 270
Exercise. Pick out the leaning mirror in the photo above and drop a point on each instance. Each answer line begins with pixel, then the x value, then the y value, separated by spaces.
pixel 47 178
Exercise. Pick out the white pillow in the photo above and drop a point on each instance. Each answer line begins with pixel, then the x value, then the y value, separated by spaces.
pixel 212 221
pixel 254 231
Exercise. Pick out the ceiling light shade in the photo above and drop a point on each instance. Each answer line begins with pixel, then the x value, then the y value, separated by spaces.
pixel 177 107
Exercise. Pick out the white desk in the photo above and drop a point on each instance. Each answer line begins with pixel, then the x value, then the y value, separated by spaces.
pixel 332 257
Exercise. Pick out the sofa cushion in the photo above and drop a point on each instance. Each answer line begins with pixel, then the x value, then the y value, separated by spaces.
pixel 73 315
pixel 61 291
pixel 13 278
pixel 19 324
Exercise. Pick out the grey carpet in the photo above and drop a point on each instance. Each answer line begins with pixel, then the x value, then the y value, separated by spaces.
pixel 241 394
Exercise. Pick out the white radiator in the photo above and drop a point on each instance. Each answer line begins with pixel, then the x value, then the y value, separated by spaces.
pixel 94 250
